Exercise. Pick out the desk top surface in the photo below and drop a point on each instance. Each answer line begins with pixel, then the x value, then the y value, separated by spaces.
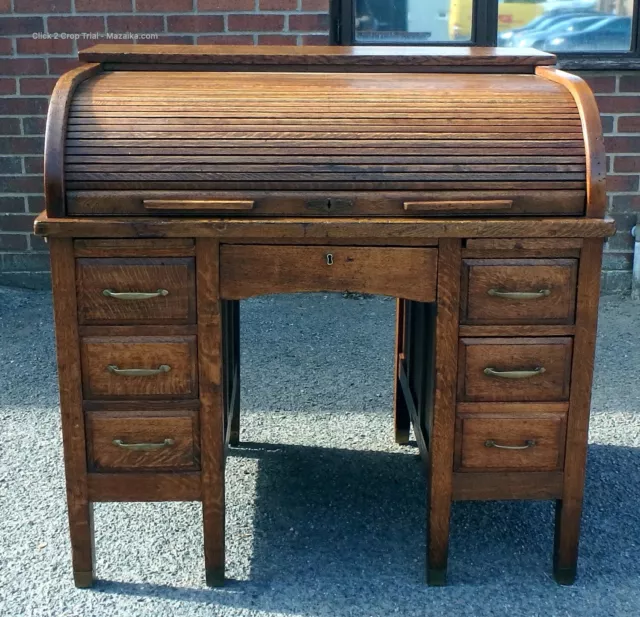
pixel 325 56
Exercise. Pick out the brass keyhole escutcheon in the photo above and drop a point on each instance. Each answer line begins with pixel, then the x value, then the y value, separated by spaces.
pixel 329 259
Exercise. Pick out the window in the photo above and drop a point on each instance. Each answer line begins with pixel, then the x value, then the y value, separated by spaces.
pixel 585 33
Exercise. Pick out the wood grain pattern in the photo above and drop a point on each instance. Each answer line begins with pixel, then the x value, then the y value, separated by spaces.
pixel 141 352
pixel 507 485
pixel 210 333
pixel 441 431
pixel 141 247
pixel 332 202
pixel 482 276
pixel 516 330
pixel 594 141
pixel 569 507
pixel 176 276
pixel 521 244
pixel 329 229
pixel 174 486
pixel 438 115
pixel 514 354
pixel 79 506
pixel 276 56
pixel 198 205
pixel 250 270
pixel 545 430
pixel 55 133
pixel 136 428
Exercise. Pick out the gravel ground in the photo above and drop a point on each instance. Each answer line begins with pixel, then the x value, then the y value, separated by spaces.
pixel 325 513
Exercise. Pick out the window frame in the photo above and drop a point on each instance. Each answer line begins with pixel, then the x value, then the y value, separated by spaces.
pixel 485 33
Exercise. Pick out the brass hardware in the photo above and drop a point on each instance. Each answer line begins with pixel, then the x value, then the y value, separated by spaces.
pixel 515 374
pixel 143 447
pixel 134 295
pixel 529 443
pixel 329 205
pixel 519 295
pixel 138 372
pixel 329 259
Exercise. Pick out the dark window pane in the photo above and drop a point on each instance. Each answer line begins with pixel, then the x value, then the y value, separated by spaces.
pixel 573 26
pixel 412 21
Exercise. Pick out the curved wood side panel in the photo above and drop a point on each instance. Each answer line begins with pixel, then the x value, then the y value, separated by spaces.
pixel 55 135
pixel 593 139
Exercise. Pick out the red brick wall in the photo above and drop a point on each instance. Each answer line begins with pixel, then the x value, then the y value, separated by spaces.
pixel 29 67
pixel 618 96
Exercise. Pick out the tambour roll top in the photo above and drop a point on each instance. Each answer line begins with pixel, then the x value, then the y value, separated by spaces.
pixel 328 137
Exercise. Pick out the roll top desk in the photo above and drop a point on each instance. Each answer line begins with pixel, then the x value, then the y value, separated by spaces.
pixel 467 183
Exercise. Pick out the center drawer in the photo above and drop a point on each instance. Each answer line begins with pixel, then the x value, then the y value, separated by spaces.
pixel 149 367
pixel 514 369
pixel 250 270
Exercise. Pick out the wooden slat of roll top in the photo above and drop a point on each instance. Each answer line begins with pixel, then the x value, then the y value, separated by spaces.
pixel 88 129
pixel 444 146
pixel 513 124
pixel 310 131
pixel 89 148
pixel 85 158
pixel 321 185
pixel 200 168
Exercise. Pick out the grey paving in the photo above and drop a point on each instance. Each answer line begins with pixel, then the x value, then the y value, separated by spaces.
pixel 325 513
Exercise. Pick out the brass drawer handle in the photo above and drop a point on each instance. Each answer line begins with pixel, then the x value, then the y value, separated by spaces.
pixel 515 374
pixel 134 295
pixel 519 295
pixel 138 372
pixel 529 443
pixel 143 447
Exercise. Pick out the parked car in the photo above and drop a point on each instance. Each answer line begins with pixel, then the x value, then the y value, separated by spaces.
pixel 610 34
pixel 537 38
pixel 544 22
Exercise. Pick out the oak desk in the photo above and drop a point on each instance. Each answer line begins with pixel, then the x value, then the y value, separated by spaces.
pixel 468 183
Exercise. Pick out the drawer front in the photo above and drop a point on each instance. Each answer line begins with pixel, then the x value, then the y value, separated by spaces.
pixel 139 367
pixel 499 442
pixel 127 441
pixel 254 270
pixel 142 291
pixel 519 291
pixel 514 369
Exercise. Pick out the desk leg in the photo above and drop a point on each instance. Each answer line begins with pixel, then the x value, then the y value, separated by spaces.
pixel 569 508
pixel 401 419
pixel 234 341
pixel 210 360
pixel 73 431
pixel 442 429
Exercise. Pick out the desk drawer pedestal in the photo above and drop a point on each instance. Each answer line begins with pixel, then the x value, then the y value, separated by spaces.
pixel 494 357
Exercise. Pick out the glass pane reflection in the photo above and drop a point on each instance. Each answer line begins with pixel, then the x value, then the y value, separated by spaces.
pixel 567 26
pixel 412 22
